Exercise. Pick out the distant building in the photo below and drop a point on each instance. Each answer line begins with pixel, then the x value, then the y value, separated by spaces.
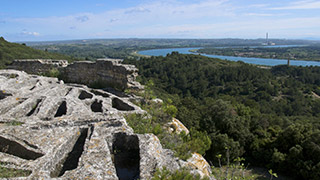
pixel 268 43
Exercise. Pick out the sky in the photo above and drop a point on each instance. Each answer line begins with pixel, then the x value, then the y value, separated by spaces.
pixel 39 20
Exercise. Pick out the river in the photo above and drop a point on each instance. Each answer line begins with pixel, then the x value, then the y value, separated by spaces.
pixel 258 61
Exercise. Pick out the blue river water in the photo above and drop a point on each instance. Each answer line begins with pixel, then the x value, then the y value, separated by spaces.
pixel 258 61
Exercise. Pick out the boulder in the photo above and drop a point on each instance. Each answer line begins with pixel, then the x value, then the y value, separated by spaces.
pixel 199 163
pixel 177 127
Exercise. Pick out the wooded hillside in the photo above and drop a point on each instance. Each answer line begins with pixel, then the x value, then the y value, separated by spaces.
pixel 268 116
pixel 10 51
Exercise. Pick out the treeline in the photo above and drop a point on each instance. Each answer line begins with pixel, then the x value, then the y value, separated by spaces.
pixel 270 117
pixel 308 53
pixel 89 51
pixel 10 51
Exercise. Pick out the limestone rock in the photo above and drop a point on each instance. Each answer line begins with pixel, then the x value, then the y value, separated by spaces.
pixel 158 101
pixel 152 156
pixel 199 163
pixel 70 131
pixel 176 126
pixel 102 72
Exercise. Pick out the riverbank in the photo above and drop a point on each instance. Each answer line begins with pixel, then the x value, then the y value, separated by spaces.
pixel 136 54
pixel 250 60
pixel 305 53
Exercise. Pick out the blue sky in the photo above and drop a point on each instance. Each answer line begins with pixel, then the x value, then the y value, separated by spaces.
pixel 39 20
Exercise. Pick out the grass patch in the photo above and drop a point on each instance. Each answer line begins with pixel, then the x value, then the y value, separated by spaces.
pixel 181 174
pixel 53 72
pixel 251 173
pixel 237 173
pixel 10 172
pixel 14 123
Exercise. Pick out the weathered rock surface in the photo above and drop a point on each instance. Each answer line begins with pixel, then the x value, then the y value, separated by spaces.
pixel 102 72
pixel 198 162
pixel 177 127
pixel 70 131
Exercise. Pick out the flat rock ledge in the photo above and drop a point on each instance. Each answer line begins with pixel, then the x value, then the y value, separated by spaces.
pixel 100 73
pixel 69 131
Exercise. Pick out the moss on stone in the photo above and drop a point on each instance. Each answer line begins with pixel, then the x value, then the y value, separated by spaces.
pixel 10 172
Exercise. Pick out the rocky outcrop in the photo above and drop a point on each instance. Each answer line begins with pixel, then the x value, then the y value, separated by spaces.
pixel 70 131
pixel 177 127
pixel 196 162
pixel 101 73
pixel 199 163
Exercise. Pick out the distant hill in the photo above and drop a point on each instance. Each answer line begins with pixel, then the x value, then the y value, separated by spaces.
pixel 10 51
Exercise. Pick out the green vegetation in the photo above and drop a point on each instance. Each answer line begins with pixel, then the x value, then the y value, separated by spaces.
pixel 89 51
pixel 308 53
pixel 268 116
pixel 54 72
pixel 183 174
pixel 156 122
pixel 235 170
pixel 10 51
pixel 10 172
pixel 14 123
pixel 272 174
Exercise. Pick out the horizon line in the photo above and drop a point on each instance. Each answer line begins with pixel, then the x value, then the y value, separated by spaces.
pixel 121 38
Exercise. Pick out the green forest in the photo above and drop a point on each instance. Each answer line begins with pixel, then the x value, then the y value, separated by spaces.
pixel 307 53
pixel 268 116
pixel 10 51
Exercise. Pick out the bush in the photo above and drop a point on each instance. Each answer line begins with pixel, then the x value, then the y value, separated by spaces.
pixel 183 145
pixel 54 72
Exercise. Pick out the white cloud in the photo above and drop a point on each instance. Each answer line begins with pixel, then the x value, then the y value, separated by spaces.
pixel 258 14
pixel 280 28
pixel 113 20
pixel 174 18
pixel 158 12
pixel 137 10
pixel 31 33
pixel 300 5
pixel 82 18
pixel 258 5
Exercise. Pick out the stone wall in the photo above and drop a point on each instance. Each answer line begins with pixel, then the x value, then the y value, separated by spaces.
pixel 100 73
